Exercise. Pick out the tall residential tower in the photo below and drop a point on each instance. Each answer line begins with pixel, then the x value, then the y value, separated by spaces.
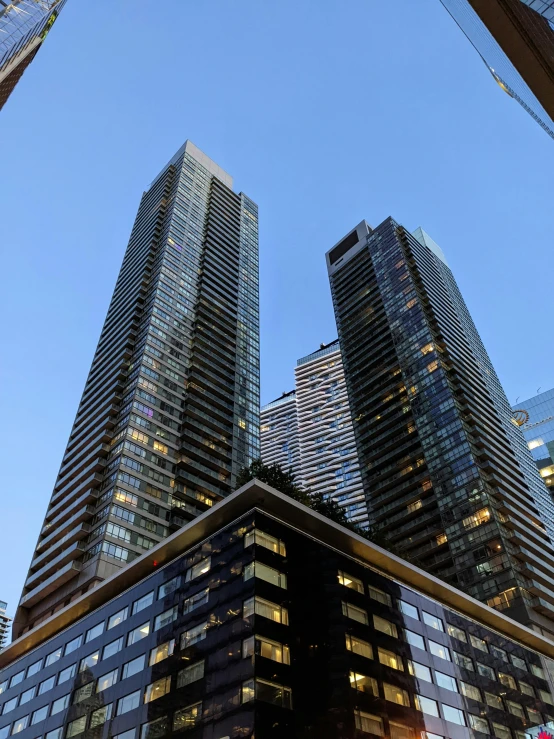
pixel 447 474
pixel 170 409
pixel 24 24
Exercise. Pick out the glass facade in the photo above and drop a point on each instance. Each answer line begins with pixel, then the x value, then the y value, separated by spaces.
pixel 515 39
pixel 447 477
pixel 536 416
pixel 364 655
pixel 24 24
pixel 170 410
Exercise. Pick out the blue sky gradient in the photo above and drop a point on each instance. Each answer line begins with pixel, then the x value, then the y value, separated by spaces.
pixel 325 112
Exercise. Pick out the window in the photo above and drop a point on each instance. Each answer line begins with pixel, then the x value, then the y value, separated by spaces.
pixel 408 609
pixel 101 715
pixel 54 734
pixel 137 634
pixel 390 659
pixel 155 729
pixel 470 691
pixel 507 680
pixel 20 724
pixel 264 540
pixel 60 705
pixel 142 603
pixel 194 635
pixel 479 644
pixel 358 646
pixel 518 662
pixel 83 693
pixel 434 621
pixel 257 569
pixel 17 678
pixel 126 735
pixel 350 582
pixel 76 727
pixel 439 650
pixel 187 717
pixel 132 667
pixel 494 701
pixel 395 695
pixel 502 732
pixel 534 716
pixel 364 684
pixel 94 632
pixel 117 618
pixel 128 703
pixel 462 661
pixel 498 653
pixel 157 689
pixel 422 672
pixel 190 674
pixel 457 633
pixel 196 600
pixel 526 689
pixel 355 613
pixel 5 731
pixel 381 624
pixel 47 684
pixel 545 696
pixel 90 661
pixel 34 668
pixel 414 639
pixel 73 645
pixel 165 618
pixel 479 724
pixel 163 651
pixel 445 681
pixel 379 596
pixel 169 587
pixel 198 569
pixel 112 648
pixel 265 608
pixel 368 723
pixel 260 645
pixel 39 715
pixel 3 686
pixel 399 731
pixel 9 705
pixel 537 671
pixel 27 696
pixel 454 715
pixel 53 657
pixel 515 709
pixel 106 681
pixel 486 671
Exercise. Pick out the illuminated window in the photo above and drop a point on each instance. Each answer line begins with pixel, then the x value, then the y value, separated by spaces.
pixel 427 348
pixel 137 634
pixel 432 366
pixel 379 595
pixel 106 681
pixel 364 684
pixel 187 717
pixel 390 659
pixel 242 423
pixel 395 694
pixel 417 504
pixel 441 539
pixel 507 680
pixel 439 650
pixel 411 303
pixel 368 723
pixel 478 643
pixel 160 447
pixel 470 691
pixel 158 654
pixel 457 633
pixel 399 731
pixel 264 647
pixel 422 672
pixel 194 635
pixel 265 608
pixel 358 646
pixel 90 661
pixel 477 518
pixel 434 621
pixel 263 572
pixel 357 614
pixel 350 582
pixel 157 689
pixel 117 618
pixel 198 569
pixel 535 443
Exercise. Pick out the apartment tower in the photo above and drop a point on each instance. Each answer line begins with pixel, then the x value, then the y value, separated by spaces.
pixel 447 475
pixel 170 409
pixel 24 24
pixel 310 431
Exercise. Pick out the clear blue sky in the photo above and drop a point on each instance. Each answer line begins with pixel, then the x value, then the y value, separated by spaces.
pixel 325 112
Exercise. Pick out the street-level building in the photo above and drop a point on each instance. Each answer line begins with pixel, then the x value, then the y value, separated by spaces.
pixel 262 618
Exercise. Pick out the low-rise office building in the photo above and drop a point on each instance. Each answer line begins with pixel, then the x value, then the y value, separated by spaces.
pixel 262 617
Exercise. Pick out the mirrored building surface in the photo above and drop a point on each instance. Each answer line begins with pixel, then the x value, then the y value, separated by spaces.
pixel 536 416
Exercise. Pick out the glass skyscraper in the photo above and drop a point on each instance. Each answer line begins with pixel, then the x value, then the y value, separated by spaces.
pixel 447 475
pixel 515 39
pixel 24 24
pixel 170 409
pixel 536 416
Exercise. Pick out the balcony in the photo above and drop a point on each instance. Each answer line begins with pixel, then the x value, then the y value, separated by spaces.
pixel 67 555
pixel 60 577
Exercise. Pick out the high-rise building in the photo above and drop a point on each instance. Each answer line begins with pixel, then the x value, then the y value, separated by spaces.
pixel 24 24
pixel 447 474
pixel 536 419
pixel 264 619
pixel 4 623
pixel 170 409
pixel 310 431
pixel 515 39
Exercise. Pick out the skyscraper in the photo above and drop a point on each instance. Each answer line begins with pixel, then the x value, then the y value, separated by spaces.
pixel 515 39
pixel 24 24
pixel 446 473
pixel 536 419
pixel 310 430
pixel 4 623
pixel 170 409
